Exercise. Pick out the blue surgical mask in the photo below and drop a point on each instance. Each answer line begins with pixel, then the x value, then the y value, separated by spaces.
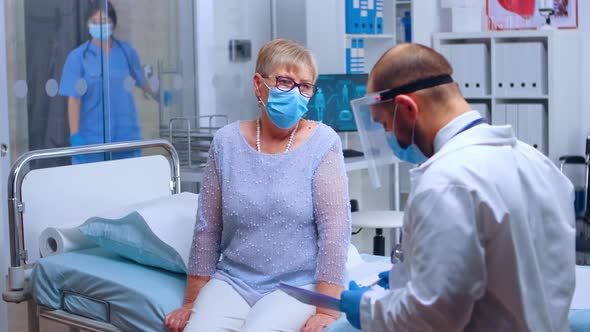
pixel 412 153
pixel 100 31
pixel 285 109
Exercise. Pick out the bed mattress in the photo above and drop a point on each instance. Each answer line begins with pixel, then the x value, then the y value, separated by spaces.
pixel 101 285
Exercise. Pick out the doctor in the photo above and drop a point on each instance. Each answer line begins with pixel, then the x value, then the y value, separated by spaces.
pixel 83 82
pixel 488 235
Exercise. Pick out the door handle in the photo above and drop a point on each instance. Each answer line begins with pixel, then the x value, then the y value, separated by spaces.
pixel 3 149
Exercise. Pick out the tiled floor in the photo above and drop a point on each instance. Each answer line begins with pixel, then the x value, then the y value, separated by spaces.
pixel 17 321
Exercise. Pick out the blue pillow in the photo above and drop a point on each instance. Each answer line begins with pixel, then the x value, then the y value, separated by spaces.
pixel 132 238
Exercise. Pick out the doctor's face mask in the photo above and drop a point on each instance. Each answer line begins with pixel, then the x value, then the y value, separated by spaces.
pixel 410 154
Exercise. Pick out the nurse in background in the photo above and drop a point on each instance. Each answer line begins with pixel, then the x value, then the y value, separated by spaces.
pixel 115 61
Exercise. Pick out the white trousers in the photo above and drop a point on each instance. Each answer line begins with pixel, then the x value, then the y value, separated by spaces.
pixel 220 308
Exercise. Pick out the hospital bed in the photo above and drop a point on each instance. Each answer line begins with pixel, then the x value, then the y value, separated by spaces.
pixel 91 289
pixel 94 289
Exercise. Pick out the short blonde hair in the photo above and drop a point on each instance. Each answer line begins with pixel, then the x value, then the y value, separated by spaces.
pixel 286 53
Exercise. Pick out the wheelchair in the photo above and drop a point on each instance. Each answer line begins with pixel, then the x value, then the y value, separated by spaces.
pixel 581 204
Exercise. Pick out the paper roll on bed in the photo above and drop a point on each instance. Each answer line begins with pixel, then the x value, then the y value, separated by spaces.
pixel 55 241
pixel 157 232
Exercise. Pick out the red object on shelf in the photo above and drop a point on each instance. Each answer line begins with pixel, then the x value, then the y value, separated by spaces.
pixel 524 8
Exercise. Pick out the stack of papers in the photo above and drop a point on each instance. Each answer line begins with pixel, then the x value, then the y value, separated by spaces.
pixel 367 273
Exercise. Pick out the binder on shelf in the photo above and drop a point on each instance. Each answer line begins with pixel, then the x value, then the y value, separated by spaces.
pixel 361 56
pixel 524 128
pixel 364 16
pixel 353 55
pixel 353 16
pixel 348 56
pixel 379 16
pixel 516 65
pixel 476 77
pixel 532 125
pixel 501 82
pixel 499 115
pixel 461 60
pixel 357 59
pixel 372 17
pixel 536 69
pixel 512 118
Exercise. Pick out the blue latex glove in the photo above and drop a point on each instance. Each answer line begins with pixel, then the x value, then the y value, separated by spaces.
pixel 350 303
pixel 77 140
pixel 384 279
pixel 168 97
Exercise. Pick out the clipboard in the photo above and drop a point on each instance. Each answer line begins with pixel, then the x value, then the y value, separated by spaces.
pixel 310 297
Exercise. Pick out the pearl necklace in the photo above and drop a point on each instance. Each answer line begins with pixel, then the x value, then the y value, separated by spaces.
pixel 258 136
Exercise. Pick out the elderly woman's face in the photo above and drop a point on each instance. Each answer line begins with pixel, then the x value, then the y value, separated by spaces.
pixel 284 77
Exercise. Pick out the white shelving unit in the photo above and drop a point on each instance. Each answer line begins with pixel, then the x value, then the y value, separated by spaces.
pixel 321 26
pixel 522 78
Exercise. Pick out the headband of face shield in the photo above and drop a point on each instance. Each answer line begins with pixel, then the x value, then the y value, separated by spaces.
pixel 374 138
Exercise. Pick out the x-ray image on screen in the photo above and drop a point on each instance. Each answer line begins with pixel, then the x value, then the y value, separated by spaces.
pixel 331 103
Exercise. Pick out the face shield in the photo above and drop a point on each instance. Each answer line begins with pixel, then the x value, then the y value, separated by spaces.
pixel 370 109
pixel 372 134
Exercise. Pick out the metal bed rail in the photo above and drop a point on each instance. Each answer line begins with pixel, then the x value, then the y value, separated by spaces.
pixel 192 145
pixel 18 254
pixel 211 117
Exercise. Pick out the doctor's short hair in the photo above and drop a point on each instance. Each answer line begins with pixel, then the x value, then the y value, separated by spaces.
pixel 280 53
pixel 406 63
pixel 100 5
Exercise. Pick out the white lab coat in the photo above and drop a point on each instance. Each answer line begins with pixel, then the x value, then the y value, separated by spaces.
pixel 488 240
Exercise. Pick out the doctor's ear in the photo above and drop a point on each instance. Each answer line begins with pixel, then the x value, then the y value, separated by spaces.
pixel 406 102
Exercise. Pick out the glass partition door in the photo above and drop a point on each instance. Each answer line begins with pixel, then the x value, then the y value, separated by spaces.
pixel 86 72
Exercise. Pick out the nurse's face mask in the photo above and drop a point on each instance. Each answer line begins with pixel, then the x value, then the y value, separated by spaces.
pixel 101 31
pixel 286 105
pixel 380 146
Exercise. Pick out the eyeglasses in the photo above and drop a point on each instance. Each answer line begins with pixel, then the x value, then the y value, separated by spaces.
pixel 287 84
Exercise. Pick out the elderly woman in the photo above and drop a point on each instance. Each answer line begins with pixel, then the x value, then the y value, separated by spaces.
pixel 274 203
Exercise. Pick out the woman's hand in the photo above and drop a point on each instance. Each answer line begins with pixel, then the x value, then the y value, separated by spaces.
pixel 318 322
pixel 176 320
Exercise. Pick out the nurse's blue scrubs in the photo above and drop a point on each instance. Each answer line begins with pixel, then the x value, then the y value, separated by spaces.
pixel 120 117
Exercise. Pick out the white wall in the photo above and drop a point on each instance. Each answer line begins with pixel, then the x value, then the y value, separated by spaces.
pixel 227 86
pixel 425 20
